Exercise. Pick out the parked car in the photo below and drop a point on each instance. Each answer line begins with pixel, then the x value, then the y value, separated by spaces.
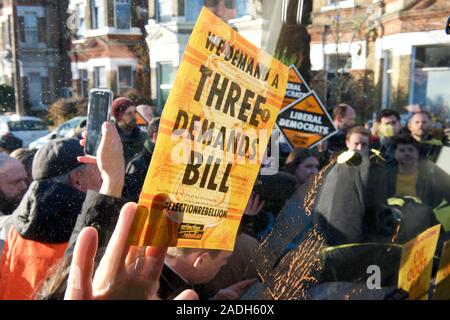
pixel 64 130
pixel 25 128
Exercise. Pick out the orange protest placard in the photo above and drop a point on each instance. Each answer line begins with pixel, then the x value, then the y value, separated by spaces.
pixel 140 121
pixel 213 133
pixel 305 122
pixel 296 88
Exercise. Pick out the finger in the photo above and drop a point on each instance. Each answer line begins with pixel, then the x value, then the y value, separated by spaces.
pixel 187 295
pixel 148 268
pixel 249 206
pixel 256 202
pixel 84 134
pixel 226 294
pixel 242 286
pixel 104 140
pixel 261 205
pixel 155 262
pixel 134 253
pixel 113 130
pixel 83 142
pixel 106 131
pixel 110 141
pixel 114 257
pixel 110 134
pixel 79 283
pixel 87 159
pixel 231 295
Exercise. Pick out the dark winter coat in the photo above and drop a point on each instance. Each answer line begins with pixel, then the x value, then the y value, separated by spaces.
pixel 136 171
pixel 132 142
pixel 433 183
pixel 99 211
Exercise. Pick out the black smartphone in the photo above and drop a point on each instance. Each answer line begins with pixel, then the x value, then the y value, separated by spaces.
pixel 99 111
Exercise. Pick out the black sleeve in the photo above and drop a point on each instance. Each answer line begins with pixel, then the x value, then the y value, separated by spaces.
pixel 99 211
pixel 134 179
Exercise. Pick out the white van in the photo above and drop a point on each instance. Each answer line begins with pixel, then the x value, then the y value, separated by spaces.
pixel 25 128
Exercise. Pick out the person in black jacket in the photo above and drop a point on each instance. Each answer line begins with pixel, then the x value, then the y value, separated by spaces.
pixel 124 111
pixel 100 208
pixel 413 176
pixel 44 219
pixel 388 122
pixel 189 268
pixel 420 126
pixel 137 168
pixel 344 119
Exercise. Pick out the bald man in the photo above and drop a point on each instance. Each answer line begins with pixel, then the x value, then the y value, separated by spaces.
pixel 13 183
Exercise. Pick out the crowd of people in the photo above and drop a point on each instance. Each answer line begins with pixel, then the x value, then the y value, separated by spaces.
pixel 65 216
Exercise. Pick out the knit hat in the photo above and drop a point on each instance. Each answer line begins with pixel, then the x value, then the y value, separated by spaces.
pixel 56 158
pixel 10 142
pixel 119 106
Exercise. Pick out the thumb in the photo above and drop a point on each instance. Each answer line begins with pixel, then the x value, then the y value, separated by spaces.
pixel 110 134
pixel 187 295
pixel 106 129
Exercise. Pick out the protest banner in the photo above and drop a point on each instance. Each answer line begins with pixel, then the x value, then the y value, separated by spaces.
pixel 416 263
pixel 213 133
pixel 141 122
pixel 296 88
pixel 305 122
pixel 442 280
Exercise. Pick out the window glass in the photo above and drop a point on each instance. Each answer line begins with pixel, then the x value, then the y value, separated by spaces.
pixel 81 25
pixel 4 35
pixel 242 8
pixel 387 80
pixel 84 83
pixel 97 14
pixel 430 79
pixel 26 125
pixel 125 78
pixel 165 10
pixel 63 129
pixel 192 9
pixel 100 77
pixel 34 88
pixel 166 76
pixel 123 14
pixel 31 29
pixel 338 63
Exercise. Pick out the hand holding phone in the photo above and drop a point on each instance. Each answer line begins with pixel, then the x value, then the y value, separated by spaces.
pixel 112 172
pixel 99 111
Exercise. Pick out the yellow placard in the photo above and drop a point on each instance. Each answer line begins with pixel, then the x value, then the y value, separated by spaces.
pixel 442 280
pixel 213 133
pixel 417 262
